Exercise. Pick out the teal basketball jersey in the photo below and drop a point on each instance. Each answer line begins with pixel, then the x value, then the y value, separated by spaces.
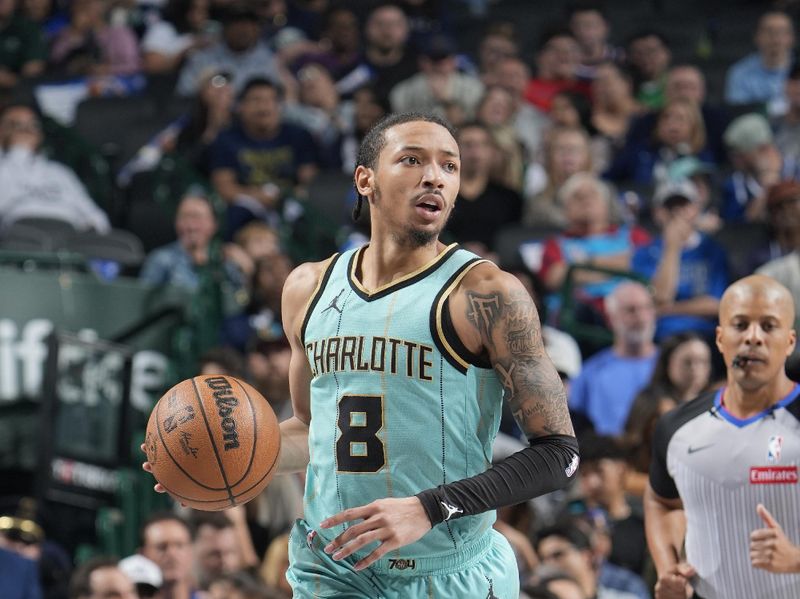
pixel 397 407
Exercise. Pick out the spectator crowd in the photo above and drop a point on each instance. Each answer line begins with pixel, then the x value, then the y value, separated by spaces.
pixel 603 172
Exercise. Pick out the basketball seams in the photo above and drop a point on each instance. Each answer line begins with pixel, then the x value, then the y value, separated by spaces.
pixel 185 498
pixel 258 482
pixel 179 475
pixel 199 399
pixel 255 432
pixel 165 445
pixel 236 496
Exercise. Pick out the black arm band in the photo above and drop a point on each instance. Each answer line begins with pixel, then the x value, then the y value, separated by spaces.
pixel 546 465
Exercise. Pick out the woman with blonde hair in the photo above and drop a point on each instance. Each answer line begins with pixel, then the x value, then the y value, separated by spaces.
pixel 679 132
pixel 566 152
pixel 496 110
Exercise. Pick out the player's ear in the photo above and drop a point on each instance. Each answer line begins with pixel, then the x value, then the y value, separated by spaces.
pixel 792 342
pixel 364 179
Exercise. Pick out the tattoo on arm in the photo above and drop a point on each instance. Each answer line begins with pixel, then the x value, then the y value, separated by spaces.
pixel 483 311
pixel 510 330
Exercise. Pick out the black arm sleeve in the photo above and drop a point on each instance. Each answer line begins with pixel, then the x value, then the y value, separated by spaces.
pixel 546 465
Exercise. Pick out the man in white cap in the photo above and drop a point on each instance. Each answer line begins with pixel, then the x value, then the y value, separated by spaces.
pixel 144 573
pixel 101 577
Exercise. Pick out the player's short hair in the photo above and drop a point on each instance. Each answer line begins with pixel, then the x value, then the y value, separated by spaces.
pixel 375 139
pixel 80 585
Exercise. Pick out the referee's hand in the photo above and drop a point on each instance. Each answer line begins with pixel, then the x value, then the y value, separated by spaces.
pixel 674 583
pixel 770 549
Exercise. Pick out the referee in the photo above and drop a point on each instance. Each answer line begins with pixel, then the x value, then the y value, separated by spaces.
pixel 729 460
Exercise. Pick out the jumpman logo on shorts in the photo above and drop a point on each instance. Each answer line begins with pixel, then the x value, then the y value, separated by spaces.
pixel 333 303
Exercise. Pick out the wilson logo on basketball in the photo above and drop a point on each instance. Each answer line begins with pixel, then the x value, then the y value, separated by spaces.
pixel 226 402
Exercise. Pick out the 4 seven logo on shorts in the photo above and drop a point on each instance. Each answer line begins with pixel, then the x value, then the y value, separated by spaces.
pixel 402 564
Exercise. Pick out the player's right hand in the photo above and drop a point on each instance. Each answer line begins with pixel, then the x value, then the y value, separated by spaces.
pixel 674 584
pixel 147 467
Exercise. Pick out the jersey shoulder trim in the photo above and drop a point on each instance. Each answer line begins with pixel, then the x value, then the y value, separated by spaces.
pixel 397 284
pixel 442 329
pixel 660 479
pixel 669 424
pixel 312 301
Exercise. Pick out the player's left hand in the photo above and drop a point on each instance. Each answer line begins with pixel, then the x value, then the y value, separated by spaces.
pixel 395 522
pixel 770 549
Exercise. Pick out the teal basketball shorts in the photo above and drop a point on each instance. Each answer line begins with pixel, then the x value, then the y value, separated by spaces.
pixel 486 570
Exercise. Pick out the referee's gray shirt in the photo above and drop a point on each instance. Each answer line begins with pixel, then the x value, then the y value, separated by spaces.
pixel 721 467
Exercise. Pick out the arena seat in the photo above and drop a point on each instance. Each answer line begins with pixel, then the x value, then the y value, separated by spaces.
pixel 24 238
pixel 119 126
pixel 117 245
pixel 56 231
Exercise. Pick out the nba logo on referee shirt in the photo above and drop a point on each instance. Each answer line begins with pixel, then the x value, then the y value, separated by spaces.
pixel 774 449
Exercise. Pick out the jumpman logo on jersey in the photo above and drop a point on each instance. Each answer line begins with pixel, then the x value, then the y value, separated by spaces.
pixel 451 510
pixel 334 302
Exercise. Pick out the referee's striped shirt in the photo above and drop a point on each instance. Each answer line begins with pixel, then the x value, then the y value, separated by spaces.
pixel 722 467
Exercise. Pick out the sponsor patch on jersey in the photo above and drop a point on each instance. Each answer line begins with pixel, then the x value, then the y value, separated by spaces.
pixel 774 446
pixel 774 475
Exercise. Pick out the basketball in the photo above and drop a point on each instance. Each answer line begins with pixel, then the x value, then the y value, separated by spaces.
pixel 213 442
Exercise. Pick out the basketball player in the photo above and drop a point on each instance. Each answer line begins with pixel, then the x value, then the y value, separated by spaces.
pixel 402 353
pixel 730 460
